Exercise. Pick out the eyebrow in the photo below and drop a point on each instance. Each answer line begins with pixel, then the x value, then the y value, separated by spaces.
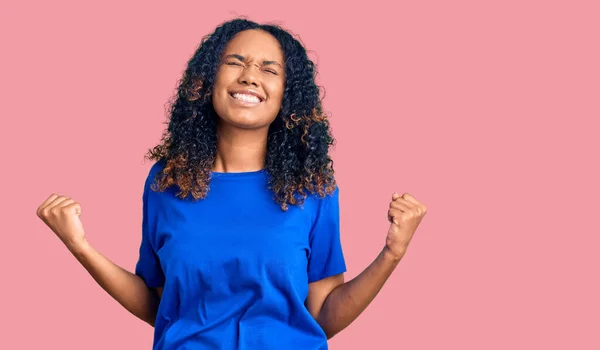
pixel 243 59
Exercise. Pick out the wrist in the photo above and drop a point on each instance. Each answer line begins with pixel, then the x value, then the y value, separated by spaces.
pixel 392 256
pixel 78 247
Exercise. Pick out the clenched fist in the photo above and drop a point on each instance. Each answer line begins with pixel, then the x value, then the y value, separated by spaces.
pixel 61 214
pixel 405 215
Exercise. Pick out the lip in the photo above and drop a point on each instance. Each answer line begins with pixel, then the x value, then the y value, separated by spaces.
pixel 243 103
pixel 247 92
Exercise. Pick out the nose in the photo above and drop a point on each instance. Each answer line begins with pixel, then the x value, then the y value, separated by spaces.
pixel 248 77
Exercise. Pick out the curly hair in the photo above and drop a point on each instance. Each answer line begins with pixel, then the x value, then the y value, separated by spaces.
pixel 298 141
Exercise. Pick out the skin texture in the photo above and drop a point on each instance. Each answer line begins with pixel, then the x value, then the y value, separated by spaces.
pixel 62 215
pixel 252 60
pixel 243 130
pixel 204 126
pixel 243 68
pixel 335 304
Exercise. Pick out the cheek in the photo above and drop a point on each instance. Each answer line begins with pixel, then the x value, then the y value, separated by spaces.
pixel 276 92
pixel 219 93
pixel 218 84
pixel 222 79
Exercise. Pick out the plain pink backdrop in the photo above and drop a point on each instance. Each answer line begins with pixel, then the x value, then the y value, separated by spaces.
pixel 485 111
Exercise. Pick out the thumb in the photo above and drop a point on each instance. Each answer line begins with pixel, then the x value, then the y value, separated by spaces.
pixel 395 196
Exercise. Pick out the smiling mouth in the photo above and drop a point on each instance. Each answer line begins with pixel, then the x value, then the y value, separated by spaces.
pixel 246 99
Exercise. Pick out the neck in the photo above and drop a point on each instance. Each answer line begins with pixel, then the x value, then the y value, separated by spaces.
pixel 240 150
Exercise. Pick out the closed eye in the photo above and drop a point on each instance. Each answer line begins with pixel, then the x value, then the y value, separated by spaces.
pixel 233 63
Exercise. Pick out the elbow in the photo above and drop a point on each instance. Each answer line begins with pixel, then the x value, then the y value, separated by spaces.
pixel 148 317
pixel 151 323
pixel 329 323
pixel 330 334
pixel 149 320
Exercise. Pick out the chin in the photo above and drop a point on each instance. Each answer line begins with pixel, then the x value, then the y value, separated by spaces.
pixel 247 123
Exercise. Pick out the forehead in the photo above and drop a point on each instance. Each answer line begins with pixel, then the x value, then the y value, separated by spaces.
pixel 255 44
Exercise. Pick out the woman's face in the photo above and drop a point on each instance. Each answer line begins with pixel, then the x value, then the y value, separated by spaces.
pixel 248 90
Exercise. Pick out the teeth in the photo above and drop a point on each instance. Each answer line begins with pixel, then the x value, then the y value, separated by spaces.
pixel 246 98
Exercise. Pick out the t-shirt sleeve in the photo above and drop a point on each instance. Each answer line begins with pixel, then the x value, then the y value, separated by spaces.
pixel 326 256
pixel 148 265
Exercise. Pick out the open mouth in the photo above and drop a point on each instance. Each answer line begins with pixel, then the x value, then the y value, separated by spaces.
pixel 247 99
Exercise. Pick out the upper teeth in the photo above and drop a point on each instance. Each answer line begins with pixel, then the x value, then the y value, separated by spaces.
pixel 247 98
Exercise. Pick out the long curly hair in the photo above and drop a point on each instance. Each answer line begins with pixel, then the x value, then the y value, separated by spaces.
pixel 297 159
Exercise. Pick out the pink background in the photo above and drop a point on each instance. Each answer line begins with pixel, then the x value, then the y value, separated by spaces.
pixel 486 112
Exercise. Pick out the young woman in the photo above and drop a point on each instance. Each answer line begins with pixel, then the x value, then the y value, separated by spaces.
pixel 240 245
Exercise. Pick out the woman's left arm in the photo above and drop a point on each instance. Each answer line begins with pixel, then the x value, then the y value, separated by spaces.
pixel 335 304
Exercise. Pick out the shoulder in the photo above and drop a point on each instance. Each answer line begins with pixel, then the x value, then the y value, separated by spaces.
pixel 331 192
pixel 327 201
pixel 151 178
pixel 155 169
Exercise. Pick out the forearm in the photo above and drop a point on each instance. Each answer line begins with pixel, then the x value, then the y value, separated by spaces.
pixel 347 301
pixel 125 287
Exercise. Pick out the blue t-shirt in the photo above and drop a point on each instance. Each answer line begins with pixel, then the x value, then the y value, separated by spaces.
pixel 234 266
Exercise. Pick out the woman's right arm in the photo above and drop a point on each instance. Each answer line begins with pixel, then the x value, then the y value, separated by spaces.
pixel 125 287
pixel 61 214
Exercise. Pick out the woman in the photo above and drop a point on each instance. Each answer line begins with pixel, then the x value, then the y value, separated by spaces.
pixel 240 243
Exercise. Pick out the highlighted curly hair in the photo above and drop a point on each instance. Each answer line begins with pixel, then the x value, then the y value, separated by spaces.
pixel 299 138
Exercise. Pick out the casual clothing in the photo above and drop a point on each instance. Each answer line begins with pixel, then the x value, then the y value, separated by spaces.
pixel 235 267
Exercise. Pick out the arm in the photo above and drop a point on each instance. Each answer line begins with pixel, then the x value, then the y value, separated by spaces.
pixel 335 304
pixel 62 215
pixel 125 287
